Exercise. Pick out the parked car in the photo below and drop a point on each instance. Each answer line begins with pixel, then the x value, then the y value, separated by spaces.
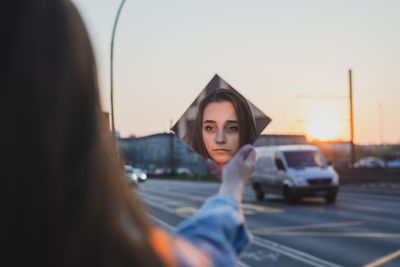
pixel 183 170
pixel 140 174
pixel 295 171
pixel 131 175
pixel 393 164
pixel 159 171
pixel 370 162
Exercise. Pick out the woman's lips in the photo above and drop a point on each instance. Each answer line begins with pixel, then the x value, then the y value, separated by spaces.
pixel 220 150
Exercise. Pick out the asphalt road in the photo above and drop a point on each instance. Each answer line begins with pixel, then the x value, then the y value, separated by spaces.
pixel 360 229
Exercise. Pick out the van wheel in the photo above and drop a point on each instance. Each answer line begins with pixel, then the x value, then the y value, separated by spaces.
pixel 259 194
pixel 289 196
pixel 330 199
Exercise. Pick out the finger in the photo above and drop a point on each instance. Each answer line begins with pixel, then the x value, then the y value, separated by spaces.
pixel 250 152
pixel 244 151
pixel 251 158
pixel 214 168
pixel 212 164
pixel 218 173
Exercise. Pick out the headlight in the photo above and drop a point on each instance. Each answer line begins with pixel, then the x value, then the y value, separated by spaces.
pixel 134 176
pixel 300 181
pixel 143 176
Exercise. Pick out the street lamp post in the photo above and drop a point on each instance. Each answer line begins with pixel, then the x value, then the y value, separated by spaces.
pixel 111 68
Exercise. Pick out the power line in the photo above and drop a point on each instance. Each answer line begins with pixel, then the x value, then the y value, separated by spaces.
pixel 321 96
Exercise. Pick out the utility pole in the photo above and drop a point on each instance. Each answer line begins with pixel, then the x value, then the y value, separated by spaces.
pixel 352 156
pixel 382 154
pixel 352 149
pixel 381 123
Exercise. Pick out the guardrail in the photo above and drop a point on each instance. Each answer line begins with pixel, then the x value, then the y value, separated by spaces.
pixel 358 176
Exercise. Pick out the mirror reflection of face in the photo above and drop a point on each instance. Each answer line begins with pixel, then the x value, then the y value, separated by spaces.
pixel 219 121
pixel 220 131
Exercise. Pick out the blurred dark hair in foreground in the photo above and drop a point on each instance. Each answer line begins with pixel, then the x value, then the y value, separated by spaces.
pixel 62 187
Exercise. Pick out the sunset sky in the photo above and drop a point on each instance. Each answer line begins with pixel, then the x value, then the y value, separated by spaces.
pixel 290 58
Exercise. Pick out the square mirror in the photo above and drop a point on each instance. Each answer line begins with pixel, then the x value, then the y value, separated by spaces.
pixel 219 121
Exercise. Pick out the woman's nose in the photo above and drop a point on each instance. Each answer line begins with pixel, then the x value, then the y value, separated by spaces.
pixel 220 137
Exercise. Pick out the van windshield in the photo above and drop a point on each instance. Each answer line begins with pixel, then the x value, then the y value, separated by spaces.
pixel 303 159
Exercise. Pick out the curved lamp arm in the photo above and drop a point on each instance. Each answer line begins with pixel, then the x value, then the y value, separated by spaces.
pixel 111 68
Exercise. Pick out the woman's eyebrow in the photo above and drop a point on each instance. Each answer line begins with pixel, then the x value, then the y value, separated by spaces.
pixel 228 121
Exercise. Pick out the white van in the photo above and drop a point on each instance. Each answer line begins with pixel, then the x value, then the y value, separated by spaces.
pixel 295 171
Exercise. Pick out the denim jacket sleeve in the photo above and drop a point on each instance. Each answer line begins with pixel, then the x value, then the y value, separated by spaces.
pixel 219 229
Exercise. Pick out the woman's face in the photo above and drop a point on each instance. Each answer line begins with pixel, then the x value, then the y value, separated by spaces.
pixel 220 130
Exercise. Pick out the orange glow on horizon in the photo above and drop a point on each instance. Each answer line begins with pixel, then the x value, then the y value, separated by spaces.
pixel 323 127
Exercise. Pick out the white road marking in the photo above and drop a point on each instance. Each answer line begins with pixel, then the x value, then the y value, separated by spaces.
pixel 293 253
pixel 334 234
pixel 268 230
pixel 170 228
pixel 248 209
pixel 264 243
pixel 383 260
pixel 163 224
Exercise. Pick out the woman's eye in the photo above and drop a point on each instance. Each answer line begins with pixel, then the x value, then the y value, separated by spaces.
pixel 209 128
pixel 232 128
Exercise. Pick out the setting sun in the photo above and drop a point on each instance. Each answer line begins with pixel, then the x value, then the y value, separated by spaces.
pixel 323 127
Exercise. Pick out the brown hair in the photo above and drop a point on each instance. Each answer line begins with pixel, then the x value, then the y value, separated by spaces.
pixel 62 188
pixel 247 129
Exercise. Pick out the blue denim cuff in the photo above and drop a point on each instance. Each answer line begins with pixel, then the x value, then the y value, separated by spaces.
pixel 219 222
